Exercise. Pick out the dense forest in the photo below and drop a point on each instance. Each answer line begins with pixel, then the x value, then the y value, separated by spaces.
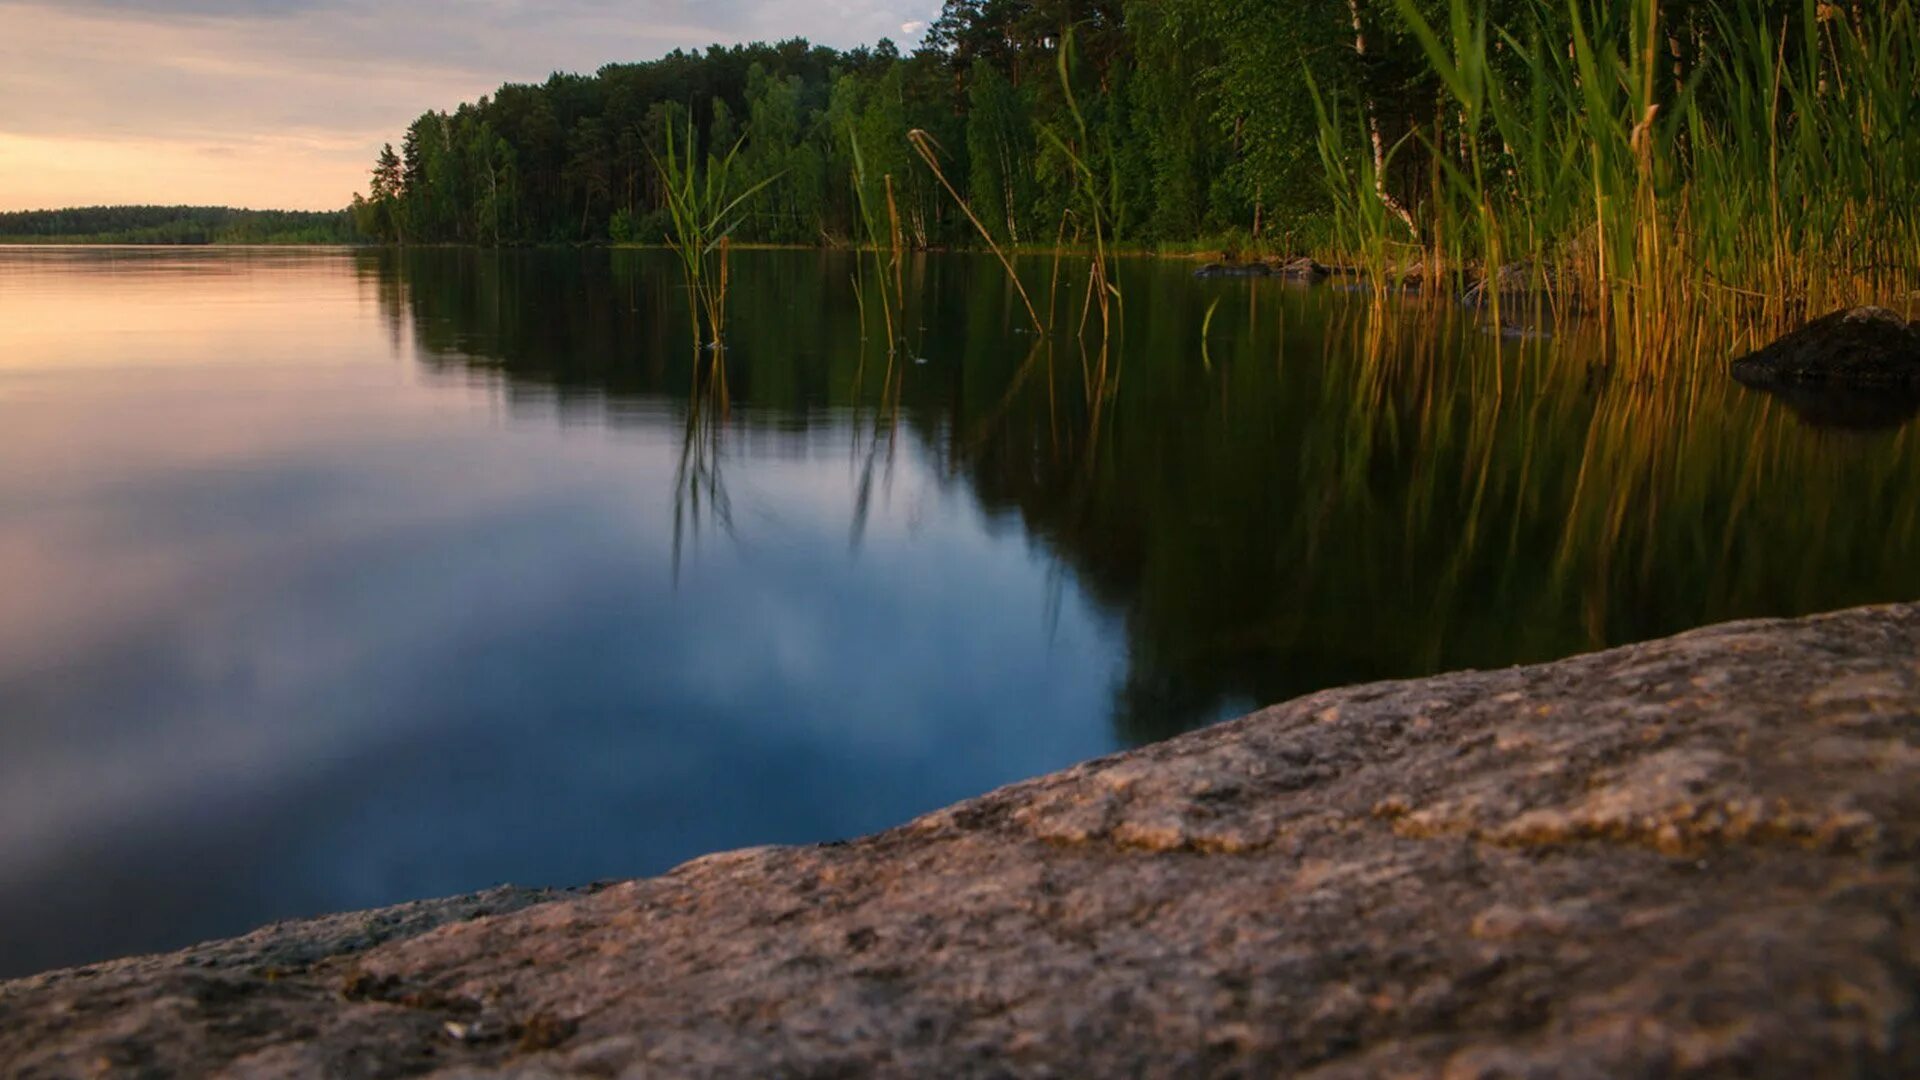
pixel 177 225
pixel 573 159
pixel 1201 118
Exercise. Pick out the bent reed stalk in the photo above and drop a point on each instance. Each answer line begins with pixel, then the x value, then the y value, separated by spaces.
pixel 888 257
pixel 1099 375
pixel 929 150
pixel 1576 163
pixel 1102 295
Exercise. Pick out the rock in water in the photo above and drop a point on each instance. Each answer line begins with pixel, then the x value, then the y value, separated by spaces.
pixel 1866 346
pixel 1691 857
pixel 1301 269
pixel 1305 268
pixel 1254 269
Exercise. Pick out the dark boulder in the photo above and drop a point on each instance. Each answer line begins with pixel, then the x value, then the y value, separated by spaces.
pixel 1303 268
pixel 1861 347
pixel 1226 270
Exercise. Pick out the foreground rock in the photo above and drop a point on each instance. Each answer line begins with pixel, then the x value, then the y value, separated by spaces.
pixel 1862 347
pixel 1692 857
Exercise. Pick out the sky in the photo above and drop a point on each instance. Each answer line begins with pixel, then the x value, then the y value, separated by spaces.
pixel 284 103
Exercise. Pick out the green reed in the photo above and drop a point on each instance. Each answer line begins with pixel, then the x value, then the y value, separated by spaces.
pixel 1091 219
pixel 704 210
pixel 1574 163
pixel 1102 294
pixel 929 150
pixel 886 242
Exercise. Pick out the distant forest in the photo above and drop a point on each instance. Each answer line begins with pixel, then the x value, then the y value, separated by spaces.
pixel 177 225
pixel 1194 109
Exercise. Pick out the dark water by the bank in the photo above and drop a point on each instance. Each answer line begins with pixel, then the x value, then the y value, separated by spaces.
pixel 334 579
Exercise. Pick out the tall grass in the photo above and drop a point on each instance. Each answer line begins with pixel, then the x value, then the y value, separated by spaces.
pixel 929 150
pixel 1572 162
pixel 1102 293
pixel 1089 216
pixel 703 210
pixel 887 244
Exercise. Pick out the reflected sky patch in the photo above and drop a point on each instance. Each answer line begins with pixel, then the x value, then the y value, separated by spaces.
pixel 298 630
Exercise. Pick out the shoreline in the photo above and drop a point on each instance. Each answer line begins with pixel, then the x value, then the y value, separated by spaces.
pixel 1696 855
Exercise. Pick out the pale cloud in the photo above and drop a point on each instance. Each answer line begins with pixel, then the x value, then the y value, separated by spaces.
pixel 284 102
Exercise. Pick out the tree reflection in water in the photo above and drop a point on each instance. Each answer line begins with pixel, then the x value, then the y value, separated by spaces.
pixel 1331 491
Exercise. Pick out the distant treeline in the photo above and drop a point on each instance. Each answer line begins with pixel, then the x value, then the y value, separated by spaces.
pixel 178 225
pixel 1200 118
pixel 572 159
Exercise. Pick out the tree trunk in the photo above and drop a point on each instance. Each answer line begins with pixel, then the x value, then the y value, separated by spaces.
pixel 1392 204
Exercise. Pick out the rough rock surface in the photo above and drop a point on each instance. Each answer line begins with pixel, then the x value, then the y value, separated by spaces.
pixel 1690 857
pixel 1866 346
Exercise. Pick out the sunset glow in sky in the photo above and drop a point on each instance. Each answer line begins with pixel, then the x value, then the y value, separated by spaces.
pixel 283 103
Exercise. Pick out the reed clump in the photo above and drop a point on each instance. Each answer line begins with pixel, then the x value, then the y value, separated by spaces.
pixel 1090 220
pixel 886 241
pixel 1716 178
pixel 703 210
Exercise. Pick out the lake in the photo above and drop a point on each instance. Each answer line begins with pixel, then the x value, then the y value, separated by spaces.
pixel 331 579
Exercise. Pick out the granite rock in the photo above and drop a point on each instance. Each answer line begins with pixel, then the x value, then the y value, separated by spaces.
pixel 1863 347
pixel 1690 857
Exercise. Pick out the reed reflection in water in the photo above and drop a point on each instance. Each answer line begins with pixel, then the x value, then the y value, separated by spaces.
pixel 1332 491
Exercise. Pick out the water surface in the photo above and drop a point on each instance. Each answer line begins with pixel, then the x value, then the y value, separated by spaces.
pixel 330 579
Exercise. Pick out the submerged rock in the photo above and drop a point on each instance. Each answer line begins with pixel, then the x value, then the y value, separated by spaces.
pixel 1868 347
pixel 1518 284
pixel 1698 856
pixel 1304 268
pixel 1232 269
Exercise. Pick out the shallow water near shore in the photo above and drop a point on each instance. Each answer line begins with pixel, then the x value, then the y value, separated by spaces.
pixel 331 579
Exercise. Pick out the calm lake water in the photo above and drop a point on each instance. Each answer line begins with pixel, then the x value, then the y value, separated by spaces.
pixel 331 579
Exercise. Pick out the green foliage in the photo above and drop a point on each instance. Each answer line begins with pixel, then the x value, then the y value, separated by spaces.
pixel 1000 150
pixel 623 227
pixel 1671 168
pixel 1585 139
pixel 564 160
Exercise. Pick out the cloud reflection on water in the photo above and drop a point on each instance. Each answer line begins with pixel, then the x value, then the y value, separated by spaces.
pixel 296 630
